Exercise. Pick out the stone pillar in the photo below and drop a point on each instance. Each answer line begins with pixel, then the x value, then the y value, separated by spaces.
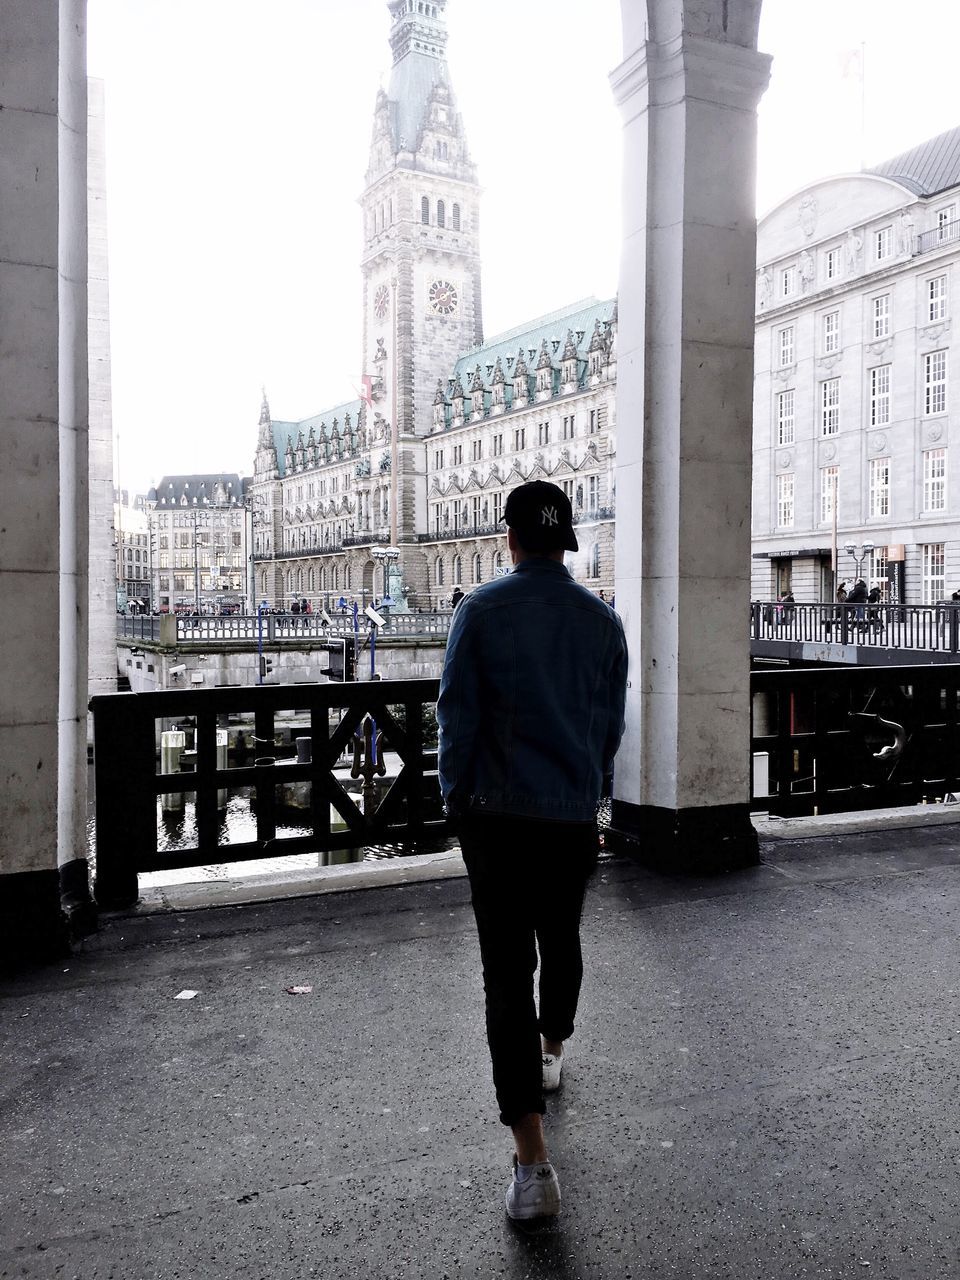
pixel 43 417
pixel 688 92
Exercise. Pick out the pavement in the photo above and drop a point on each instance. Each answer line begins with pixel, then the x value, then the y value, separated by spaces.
pixel 763 1084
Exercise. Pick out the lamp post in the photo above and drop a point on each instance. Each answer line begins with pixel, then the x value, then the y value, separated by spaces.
pixel 858 553
pixel 388 557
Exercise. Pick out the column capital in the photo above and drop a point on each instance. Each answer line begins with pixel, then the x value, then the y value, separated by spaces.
pixel 690 67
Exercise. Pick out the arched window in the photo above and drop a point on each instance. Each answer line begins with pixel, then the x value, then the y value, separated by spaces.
pixel 263 585
pixel 290 582
pixel 497 562
pixel 425 211
pixel 593 567
pixel 457 571
pixel 439 571
pixel 477 568
pixel 346 577
pixel 391 211
pixel 441 214
pixel 299 582
pixel 311 581
pixel 323 579
pixel 456 217
pixel 335 577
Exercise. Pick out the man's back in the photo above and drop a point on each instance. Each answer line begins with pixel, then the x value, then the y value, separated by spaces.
pixel 532 698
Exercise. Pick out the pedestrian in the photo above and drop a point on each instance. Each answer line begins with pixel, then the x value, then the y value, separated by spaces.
pixel 873 598
pixel 842 592
pixel 295 608
pixel 530 714
pixel 456 597
pixel 789 606
pixel 858 596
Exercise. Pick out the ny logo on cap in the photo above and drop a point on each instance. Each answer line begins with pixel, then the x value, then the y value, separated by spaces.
pixel 548 515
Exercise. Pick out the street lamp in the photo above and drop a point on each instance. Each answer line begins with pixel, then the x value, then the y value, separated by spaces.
pixel 388 557
pixel 858 553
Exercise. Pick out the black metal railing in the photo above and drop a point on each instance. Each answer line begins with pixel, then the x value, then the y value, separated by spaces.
pixel 934 627
pixel 830 740
pixel 334 717
pixel 138 627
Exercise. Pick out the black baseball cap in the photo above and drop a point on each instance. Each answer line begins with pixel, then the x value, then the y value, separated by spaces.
pixel 540 515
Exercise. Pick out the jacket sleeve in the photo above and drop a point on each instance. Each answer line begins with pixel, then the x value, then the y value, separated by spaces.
pixel 618 698
pixel 458 708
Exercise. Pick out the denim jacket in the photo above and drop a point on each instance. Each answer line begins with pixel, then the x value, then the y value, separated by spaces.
pixel 532 697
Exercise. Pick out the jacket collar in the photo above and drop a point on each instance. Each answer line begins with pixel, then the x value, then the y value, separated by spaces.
pixel 540 564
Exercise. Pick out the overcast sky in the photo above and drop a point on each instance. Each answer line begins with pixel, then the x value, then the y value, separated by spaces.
pixel 237 137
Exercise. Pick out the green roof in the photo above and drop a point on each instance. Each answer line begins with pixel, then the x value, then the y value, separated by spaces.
pixel 283 431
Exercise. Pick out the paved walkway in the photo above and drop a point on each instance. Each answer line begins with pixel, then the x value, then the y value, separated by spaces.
pixel 764 1085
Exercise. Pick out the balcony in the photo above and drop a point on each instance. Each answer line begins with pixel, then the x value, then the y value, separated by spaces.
pixel 866 633
pixel 947 234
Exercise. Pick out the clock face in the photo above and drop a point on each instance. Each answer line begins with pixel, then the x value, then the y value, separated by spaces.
pixel 381 302
pixel 443 298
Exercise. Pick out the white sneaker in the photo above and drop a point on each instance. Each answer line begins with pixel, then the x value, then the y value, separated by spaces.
pixel 537 1196
pixel 552 1067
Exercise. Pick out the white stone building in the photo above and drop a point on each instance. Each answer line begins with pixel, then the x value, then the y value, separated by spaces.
pixel 198 530
pixel 447 423
pixel 857 281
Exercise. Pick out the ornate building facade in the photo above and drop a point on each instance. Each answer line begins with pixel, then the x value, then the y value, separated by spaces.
pixel 447 424
pixel 853 403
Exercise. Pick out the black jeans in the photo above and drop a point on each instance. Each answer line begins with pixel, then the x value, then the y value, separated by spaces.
pixel 527 882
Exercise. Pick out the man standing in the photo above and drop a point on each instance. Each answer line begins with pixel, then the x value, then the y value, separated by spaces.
pixel 530 714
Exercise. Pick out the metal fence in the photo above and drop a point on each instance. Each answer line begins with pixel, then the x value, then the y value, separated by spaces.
pixel 368 718
pixel 235 628
pixel 830 740
pixel 882 626
pixel 138 627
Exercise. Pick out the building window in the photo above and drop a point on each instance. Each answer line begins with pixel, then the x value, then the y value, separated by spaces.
pixel 947 226
pixel 519 439
pixel 543 433
pixel 881 316
pixel 497 508
pixel 437 459
pixel 477 450
pixel 475 510
pixel 935 383
pixel 425 211
pixel 828 492
pixel 880 395
pixel 477 568
pixel 831 332
pixel 934 479
pixel 877 572
pixel 883 243
pixel 831 264
pixel 593 562
pixel 593 493
pixel 785 501
pixel 785 416
pixel 830 407
pixel 934 582
pixel 786 346
pixel 439 571
pixel 441 214
pixel 569 427
pixel 457 571
pixel 937 298
pixel 457 455
pixel 456 217
pixel 497 446
pixel 788 282
pixel 879 487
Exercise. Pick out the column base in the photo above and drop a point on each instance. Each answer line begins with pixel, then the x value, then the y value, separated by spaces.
pixel 33 926
pixel 685 841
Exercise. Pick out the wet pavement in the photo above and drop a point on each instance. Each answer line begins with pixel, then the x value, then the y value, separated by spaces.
pixel 764 1084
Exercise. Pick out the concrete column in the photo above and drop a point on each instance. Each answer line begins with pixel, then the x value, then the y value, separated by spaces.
pixel 688 92
pixel 74 466
pixel 43 480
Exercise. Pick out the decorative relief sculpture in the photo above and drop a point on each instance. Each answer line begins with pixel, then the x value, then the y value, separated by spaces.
pixel 764 287
pixel 852 249
pixel 807 216
pixel 808 271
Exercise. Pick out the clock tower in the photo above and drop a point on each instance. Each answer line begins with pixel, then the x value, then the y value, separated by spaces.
pixel 421 260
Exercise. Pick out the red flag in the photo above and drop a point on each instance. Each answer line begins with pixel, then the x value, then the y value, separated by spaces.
pixel 367 392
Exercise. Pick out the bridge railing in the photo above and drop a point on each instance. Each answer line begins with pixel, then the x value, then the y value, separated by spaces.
pixel 935 627
pixel 230 628
pixel 831 740
pixel 132 791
